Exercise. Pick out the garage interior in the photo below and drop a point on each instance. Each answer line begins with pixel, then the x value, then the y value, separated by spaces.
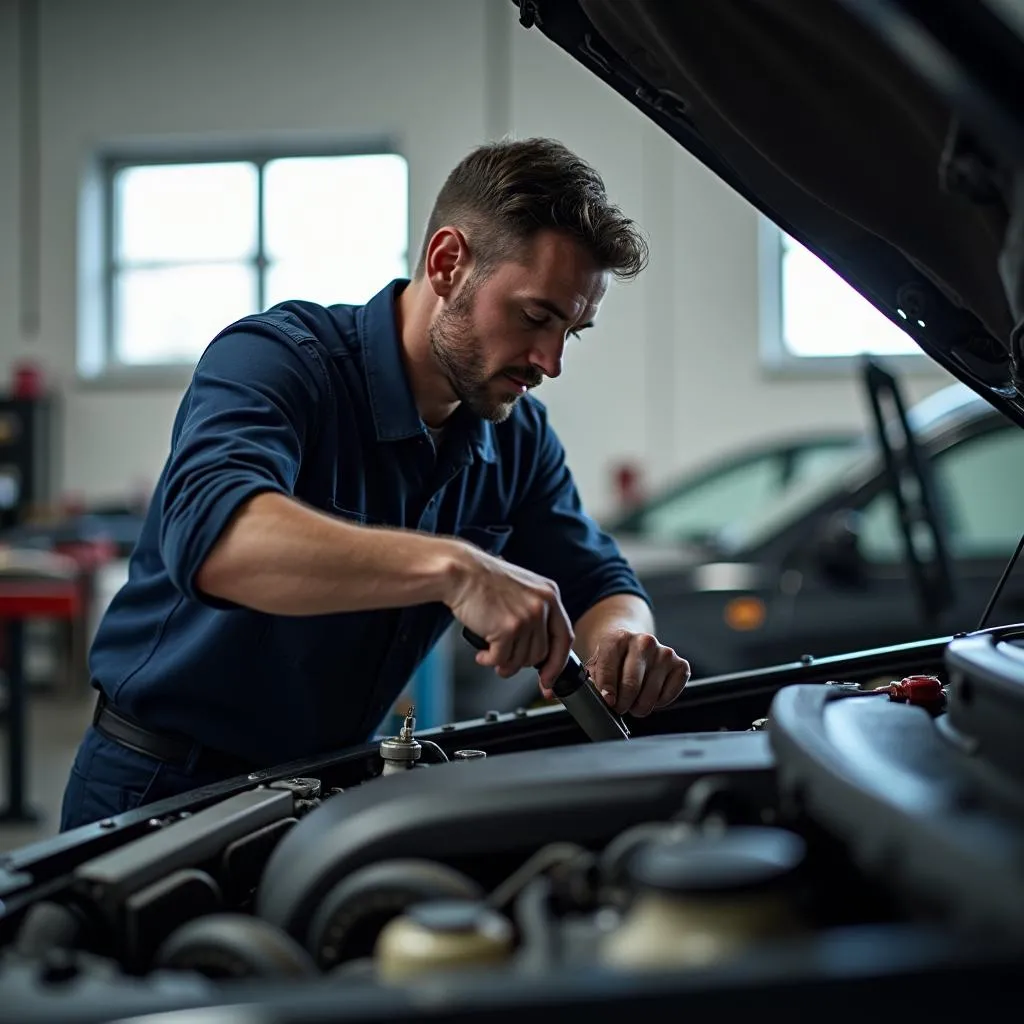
pixel 732 338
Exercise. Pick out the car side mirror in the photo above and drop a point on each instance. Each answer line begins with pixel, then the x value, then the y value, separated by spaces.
pixel 838 549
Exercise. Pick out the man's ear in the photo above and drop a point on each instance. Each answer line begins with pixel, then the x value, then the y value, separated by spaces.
pixel 447 262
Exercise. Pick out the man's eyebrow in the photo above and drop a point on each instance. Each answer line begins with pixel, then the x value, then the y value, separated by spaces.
pixel 552 308
pixel 549 306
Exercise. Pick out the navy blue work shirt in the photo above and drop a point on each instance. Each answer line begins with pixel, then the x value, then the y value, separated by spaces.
pixel 314 402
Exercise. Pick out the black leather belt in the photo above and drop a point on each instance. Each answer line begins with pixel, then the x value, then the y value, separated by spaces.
pixel 173 750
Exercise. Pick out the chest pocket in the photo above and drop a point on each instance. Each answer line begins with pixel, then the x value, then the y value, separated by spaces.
pixel 352 515
pixel 491 539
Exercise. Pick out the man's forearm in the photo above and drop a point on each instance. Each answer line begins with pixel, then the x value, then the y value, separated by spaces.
pixel 281 557
pixel 620 611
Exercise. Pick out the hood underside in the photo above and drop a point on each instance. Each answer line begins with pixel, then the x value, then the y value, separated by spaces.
pixel 886 137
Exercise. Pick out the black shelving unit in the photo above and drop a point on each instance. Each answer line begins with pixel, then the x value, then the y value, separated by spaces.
pixel 27 457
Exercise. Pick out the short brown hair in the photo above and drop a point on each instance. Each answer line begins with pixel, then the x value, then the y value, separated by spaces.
pixel 503 193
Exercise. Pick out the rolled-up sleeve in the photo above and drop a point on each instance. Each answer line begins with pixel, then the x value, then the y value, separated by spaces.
pixel 241 430
pixel 553 536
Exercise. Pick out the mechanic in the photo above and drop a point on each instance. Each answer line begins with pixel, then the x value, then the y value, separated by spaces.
pixel 344 481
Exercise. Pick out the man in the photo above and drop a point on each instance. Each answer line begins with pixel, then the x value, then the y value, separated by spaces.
pixel 344 481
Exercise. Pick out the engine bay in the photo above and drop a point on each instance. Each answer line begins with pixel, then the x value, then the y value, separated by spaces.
pixel 854 825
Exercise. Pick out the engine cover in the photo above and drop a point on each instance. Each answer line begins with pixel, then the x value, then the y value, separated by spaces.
pixel 916 806
pixel 585 794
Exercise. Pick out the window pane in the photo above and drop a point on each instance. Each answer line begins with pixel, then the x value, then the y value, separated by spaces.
pixel 881 539
pixel 170 315
pixel 981 489
pixel 979 486
pixel 814 463
pixel 706 509
pixel 177 212
pixel 337 228
pixel 823 316
pixel 338 280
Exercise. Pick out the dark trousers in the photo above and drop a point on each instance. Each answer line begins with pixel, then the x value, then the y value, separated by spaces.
pixel 108 778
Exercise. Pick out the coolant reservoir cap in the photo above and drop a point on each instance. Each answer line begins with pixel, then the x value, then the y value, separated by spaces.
pixel 449 916
pixel 738 860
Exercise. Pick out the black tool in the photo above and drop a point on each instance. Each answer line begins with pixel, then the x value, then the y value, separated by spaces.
pixel 576 690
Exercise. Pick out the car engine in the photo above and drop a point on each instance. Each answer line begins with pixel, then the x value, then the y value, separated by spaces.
pixel 851 827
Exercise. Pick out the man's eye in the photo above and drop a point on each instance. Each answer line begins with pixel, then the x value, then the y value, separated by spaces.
pixel 533 321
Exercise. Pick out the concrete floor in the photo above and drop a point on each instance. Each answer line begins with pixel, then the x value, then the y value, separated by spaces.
pixel 56 722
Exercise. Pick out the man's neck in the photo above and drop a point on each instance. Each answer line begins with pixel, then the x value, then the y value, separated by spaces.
pixel 431 391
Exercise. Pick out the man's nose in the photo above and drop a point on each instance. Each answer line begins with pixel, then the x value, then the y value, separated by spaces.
pixel 546 355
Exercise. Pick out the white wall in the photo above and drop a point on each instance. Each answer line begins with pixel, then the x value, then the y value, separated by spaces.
pixel 670 376
pixel 10 155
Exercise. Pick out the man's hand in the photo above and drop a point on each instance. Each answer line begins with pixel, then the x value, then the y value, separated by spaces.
pixel 518 613
pixel 635 673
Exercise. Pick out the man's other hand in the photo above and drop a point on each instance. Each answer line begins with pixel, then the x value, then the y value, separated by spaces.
pixel 636 674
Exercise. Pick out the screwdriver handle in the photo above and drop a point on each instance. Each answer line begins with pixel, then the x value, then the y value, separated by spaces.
pixel 576 690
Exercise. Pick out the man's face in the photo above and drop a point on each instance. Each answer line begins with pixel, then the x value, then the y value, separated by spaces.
pixel 500 336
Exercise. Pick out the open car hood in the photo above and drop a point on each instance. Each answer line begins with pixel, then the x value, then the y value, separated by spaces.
pixel 887 136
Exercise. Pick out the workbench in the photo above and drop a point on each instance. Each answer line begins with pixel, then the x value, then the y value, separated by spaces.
pixel 33 585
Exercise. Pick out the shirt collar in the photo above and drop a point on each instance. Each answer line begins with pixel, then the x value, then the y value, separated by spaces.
pixel 395 416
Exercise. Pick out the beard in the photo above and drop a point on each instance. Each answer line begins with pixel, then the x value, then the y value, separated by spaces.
pixel 460 355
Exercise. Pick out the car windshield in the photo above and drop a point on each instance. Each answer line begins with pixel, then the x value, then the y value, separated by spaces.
pixel 762 521
pixel 740 502
pixel 734 494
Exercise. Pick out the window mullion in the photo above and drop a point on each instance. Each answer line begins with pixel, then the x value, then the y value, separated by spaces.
pixel 261 256
pixel 111 239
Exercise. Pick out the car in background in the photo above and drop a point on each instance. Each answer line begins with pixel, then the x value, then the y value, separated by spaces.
pixel 822 567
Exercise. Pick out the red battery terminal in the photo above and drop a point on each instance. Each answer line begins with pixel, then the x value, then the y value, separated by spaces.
pixel 923 691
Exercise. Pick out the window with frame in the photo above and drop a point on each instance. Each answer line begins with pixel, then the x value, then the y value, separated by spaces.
pixel 729 496
pixel 812 315
pixel 979 485
pixel 195 244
